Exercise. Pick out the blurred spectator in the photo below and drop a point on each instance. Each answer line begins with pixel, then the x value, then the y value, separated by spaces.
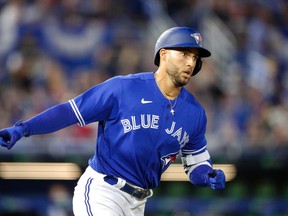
pixel 60 201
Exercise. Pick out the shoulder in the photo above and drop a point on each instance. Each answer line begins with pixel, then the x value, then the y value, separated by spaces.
pixel 137 76
pixel 191 100
pixel 116 83
pixel 131 80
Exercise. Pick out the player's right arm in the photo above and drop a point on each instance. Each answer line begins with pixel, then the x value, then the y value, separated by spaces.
pixel 50 120
pixel 96 104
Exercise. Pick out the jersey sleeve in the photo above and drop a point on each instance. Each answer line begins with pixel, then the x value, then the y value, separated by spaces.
pixel 99 103
pixel 195 151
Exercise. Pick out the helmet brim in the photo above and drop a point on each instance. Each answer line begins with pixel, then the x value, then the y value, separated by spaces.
pixel 203 53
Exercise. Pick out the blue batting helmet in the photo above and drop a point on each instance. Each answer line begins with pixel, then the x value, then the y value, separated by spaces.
pixel 180 37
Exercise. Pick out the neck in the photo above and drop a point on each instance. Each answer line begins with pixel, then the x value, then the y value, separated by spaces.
pixel 166 86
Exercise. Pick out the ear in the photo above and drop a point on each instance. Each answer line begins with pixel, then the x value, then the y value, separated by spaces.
pixel 162 54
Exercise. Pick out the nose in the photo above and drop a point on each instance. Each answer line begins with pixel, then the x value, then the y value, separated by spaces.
pixel 191 61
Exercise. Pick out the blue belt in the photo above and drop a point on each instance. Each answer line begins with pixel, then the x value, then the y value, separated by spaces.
pixel 138 193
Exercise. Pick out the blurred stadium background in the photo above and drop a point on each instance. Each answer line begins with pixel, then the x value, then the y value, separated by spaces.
pixel 52 50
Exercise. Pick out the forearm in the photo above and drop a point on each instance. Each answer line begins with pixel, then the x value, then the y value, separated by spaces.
pixel 198 174
pixel 204 175
pixel 51 120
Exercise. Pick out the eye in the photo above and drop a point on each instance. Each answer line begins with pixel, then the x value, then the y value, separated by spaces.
pixel 185 53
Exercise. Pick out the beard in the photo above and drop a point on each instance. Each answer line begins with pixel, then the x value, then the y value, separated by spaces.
pixel 178 77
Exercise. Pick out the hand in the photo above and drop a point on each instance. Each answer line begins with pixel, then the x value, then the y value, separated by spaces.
pixel 9 136
pixel 216 179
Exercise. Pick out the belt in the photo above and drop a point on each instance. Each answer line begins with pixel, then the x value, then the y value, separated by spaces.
pixel 138 193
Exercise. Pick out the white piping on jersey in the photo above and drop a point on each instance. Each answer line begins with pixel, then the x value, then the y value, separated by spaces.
pixel 193 152
pixel 194 159
pixel 77 113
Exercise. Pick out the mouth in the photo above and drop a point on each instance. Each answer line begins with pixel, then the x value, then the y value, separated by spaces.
pixel 187 73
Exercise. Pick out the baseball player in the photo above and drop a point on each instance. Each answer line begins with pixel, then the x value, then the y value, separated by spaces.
pixel 145 121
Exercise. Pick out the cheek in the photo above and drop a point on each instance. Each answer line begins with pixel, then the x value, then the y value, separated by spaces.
pixel 173 66
pixel 176 59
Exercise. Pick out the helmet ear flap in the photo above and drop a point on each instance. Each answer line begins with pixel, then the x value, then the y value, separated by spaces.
pixel 198 66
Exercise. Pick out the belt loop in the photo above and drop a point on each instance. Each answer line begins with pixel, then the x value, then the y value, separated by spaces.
pixel 120 183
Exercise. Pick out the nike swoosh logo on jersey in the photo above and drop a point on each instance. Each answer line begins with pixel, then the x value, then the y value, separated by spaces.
pixel 143 101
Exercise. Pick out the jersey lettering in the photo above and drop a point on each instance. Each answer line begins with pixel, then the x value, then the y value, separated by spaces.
pixel 126 125
pixel 185 139
pixel 134 123
pixel 145 121
pixel 182 139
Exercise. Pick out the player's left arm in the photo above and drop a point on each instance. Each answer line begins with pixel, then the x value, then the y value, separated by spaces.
pixel 196 159
pixel 202 174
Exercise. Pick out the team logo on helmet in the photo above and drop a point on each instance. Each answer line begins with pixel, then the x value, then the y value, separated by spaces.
pixel 198 38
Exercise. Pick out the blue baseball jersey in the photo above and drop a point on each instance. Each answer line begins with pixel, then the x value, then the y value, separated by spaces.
pixel 138 136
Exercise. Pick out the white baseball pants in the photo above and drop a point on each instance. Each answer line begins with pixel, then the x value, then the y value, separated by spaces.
pixel 93 196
